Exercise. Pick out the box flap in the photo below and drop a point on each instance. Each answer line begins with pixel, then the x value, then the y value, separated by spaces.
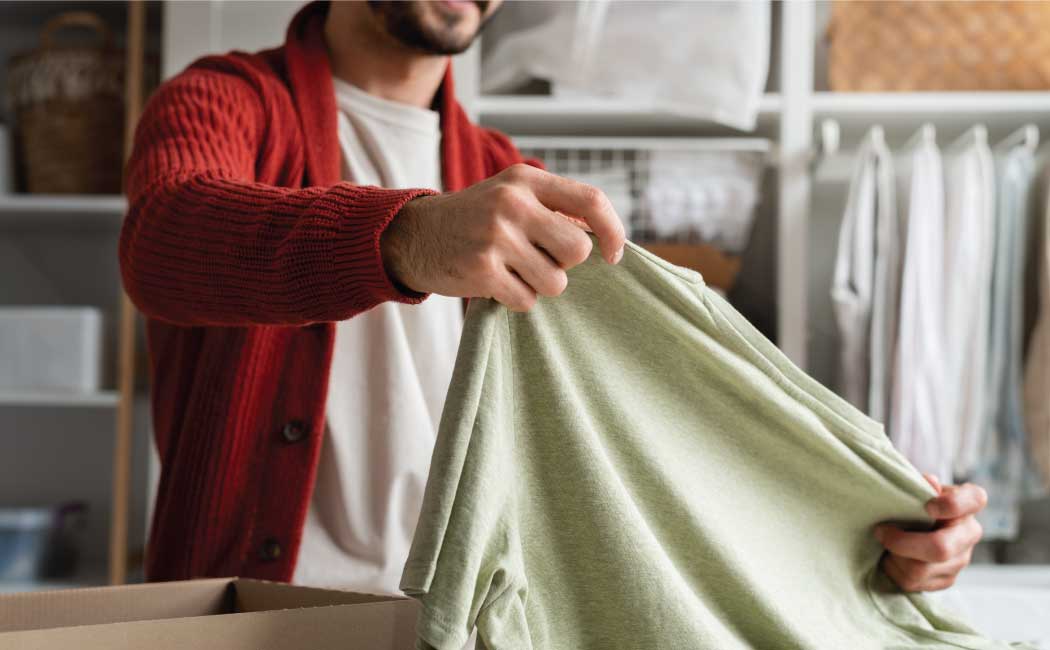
pixel 159 600
pixel 262 595
pixel 389 625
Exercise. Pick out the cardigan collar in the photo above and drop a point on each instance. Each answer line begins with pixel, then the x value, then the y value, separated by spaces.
pixel 310 75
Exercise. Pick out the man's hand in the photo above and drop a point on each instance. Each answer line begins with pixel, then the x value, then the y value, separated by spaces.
pixel 931 560
pixel 505 238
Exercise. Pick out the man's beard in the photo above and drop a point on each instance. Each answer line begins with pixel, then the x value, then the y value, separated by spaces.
pixel 403 22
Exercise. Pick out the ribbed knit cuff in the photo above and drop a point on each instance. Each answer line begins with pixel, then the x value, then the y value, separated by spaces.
pixel 359 259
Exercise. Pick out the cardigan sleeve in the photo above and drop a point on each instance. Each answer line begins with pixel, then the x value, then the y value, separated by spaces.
pixel 203 243
pixel 502 152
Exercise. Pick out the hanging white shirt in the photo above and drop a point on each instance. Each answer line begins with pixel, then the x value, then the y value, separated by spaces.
pixel 390 371
pixel 969 236
pixel 919 382
pixel 866 280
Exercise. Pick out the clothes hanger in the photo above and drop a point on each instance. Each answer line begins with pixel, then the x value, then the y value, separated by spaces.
pixel 877 136
pixel 827 144
pixel 926 135
pixel 976 134
pixel 1027 136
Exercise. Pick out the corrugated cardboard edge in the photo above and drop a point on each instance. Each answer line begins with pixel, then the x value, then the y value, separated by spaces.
pixel 317 618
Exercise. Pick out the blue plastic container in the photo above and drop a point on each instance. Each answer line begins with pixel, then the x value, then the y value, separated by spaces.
pixel 38 543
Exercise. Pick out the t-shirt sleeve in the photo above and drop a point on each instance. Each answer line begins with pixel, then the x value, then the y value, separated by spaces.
pixel 465 564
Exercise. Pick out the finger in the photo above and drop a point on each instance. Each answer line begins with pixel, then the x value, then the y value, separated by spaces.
pixel 957 501
pixel 934 481
pixel 909 575
pixel 915 575
pixel 537 269
pixel 585 202
pixel 938 545
pixel 559 237
pixel 512 292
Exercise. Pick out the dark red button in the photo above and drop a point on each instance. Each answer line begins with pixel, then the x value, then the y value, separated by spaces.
pixel 270 550
pixel 294 431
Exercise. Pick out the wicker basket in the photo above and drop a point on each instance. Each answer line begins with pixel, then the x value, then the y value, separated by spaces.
pixel 68 103
pixel 909 45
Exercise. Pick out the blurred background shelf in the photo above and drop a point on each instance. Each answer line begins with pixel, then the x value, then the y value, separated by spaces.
pixel 952 112
pixel 552 114
pixel 101 399
pixel 982 102
pixel 66 211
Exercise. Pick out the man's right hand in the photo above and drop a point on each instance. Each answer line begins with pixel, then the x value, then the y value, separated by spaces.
pixel 505 238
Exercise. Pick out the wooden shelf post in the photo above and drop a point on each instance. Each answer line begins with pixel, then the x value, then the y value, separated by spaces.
pixel 121 490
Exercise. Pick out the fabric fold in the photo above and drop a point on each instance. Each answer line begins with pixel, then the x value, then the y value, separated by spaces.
pixel 632 465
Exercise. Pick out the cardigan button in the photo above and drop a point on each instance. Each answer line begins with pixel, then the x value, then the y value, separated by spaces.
pixel 294 431
pixel 270 551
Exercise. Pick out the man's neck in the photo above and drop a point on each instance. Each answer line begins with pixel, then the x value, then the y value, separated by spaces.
pixel 379 65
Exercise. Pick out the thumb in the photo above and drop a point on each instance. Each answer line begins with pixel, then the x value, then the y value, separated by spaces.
pixel 932 480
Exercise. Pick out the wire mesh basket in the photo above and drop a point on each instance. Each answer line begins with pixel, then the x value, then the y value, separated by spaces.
pixel 689 200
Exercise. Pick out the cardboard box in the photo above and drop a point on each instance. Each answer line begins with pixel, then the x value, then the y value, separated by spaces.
pixel 220 613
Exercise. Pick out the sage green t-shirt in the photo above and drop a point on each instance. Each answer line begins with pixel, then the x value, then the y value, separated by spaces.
pixel 631 466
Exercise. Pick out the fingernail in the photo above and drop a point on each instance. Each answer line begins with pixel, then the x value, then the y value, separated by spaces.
pixel 618 256
pixel 933 508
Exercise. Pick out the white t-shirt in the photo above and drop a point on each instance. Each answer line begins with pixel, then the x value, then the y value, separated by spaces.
pixel 390 372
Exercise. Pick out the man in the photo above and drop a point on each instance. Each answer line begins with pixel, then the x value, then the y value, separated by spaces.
pixel 298 365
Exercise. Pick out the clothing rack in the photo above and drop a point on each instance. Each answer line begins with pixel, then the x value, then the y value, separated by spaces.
pixel 828 139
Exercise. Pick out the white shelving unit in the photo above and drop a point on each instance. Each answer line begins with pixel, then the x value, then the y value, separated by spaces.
pixel 790 114
pixel 32 228
pixel 62 250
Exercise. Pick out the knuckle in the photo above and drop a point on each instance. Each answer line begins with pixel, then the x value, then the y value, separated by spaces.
pixel 912 584
pixel 557 281
pixel 506 196
pixel 576 250
pixel 580 249
pixel 908 580
pixel 523 303
pixel 941 548
pixel 517 172
pixel 595 198
pixel 484 264
pixel 512 205
pixel 494 230
pixel 982 497
pixel 916 573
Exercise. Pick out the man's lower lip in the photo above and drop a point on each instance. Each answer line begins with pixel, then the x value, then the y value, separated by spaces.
pixel 460 5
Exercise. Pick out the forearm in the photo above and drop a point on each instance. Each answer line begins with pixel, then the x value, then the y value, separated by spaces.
pixel 205 250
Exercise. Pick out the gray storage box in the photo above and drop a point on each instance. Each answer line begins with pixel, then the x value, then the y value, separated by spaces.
pixel 50 349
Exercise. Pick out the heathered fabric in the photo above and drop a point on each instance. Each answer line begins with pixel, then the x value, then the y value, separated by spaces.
pixel 632 466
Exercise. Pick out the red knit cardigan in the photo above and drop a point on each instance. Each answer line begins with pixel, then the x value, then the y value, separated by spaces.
pixel 242 246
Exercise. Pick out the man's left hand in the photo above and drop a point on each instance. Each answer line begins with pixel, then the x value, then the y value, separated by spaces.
pixel 931 560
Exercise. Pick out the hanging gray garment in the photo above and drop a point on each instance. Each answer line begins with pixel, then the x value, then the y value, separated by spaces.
pixel 853 278
pixel 632 466
pixel 969 236
pixel 1004 469
pixel 1037 363
pixel 866 281
pixel 887 287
